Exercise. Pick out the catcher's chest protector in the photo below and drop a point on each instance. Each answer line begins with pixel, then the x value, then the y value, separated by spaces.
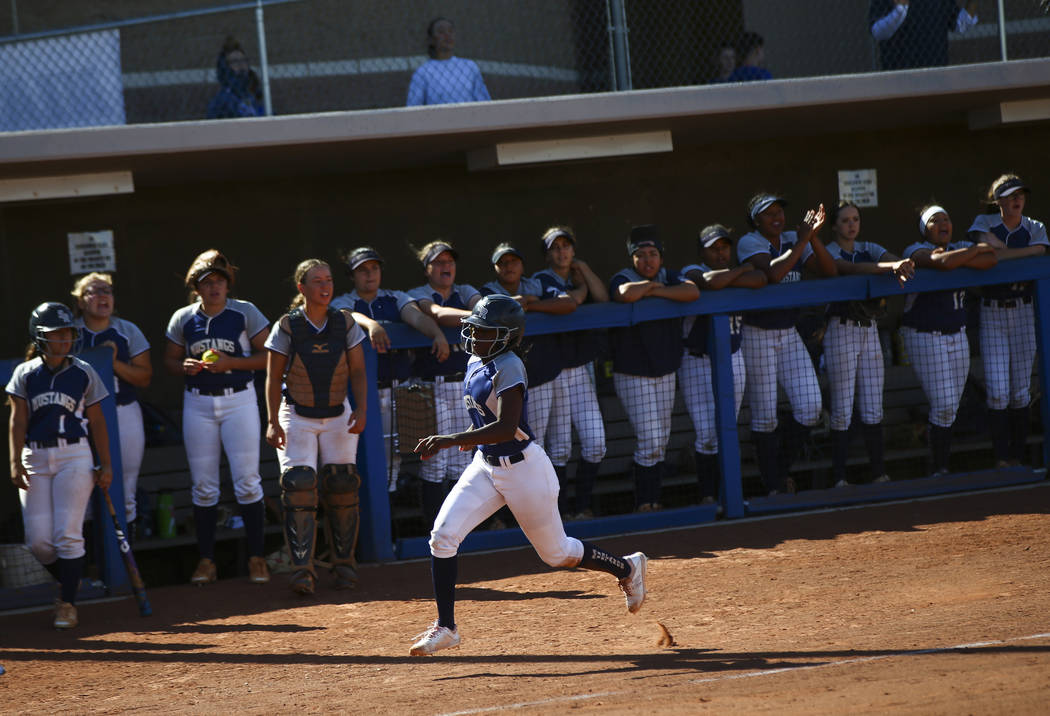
pixel 318 372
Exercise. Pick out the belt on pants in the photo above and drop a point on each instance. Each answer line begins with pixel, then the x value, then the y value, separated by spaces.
pixel 217 390
pixel 53 442
pixel 1007 303
pixel 861 322
pixel 948 332
pixel 497 461
pixel 450 378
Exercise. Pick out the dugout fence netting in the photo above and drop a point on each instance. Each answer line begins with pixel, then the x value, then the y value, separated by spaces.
pixel 75 65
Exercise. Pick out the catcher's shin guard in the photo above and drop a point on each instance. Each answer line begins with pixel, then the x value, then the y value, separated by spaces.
pixel 339 493
pixel 299 500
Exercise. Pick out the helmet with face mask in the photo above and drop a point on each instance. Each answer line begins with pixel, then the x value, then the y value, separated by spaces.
pixel 498 312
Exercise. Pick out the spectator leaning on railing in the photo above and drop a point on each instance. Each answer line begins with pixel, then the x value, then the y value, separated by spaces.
pixel 914 33
pixel 445 78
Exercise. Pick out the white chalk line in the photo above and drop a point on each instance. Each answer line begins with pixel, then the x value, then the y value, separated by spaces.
pixel 753 674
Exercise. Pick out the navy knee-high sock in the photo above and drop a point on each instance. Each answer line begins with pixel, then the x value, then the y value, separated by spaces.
pixel 69 571
pixel 444 570
pixel 53 570
pixel 254 516
pixel 204 521
pixel 596 558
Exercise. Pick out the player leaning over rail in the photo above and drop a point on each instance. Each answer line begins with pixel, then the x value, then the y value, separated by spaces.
pixel 51 394
pixel 314 351
pixel 508 469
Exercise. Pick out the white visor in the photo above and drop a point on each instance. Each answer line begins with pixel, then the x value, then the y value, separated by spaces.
pixel 929 214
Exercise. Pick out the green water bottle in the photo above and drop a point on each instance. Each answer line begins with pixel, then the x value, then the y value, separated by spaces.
pixel 165 516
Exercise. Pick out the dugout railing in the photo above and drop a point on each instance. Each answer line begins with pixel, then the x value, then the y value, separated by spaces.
pixel 376 543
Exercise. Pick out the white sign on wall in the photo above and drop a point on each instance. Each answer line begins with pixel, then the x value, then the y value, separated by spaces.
pixel 91 251
pixel 861 186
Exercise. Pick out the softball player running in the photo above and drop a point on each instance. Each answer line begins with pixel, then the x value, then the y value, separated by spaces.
pixel 542 353
pixel 508 468
pixel 716 250
pixel 1008 318
pixel 132 370
pixel 447 303
pixel 54 398
pixel 773 350
pixel 216 342
pixel 373 306
pixel 314 353
pixel 934 326
pixel 575 401
pixel 852 350
pixel 646 356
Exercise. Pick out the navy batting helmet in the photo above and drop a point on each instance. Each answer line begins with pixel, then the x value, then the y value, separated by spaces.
pixel 47 317
pixel 498 312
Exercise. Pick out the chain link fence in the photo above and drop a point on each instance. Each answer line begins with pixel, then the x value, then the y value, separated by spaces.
pixel 118 61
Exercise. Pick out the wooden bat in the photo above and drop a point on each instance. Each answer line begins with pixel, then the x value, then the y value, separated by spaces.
pixel 137 586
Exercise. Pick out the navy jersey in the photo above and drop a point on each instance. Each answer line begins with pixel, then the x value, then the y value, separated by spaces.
pixel 231 331
pixel 427 365
pixel 943 311
pixel 542 353
pixel 56 401
pixel 1028 233
pixel 129 341
pixel 385 307
pixel 864 252
pixel 650 348
pixel 577 347
pixel 753 244
pixel 484 383
pixel 696 328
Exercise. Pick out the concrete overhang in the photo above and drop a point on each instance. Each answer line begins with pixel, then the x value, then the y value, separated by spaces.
pixel 416 137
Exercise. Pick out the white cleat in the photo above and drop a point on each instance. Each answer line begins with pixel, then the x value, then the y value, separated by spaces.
pixel 435 639
pixel 633 586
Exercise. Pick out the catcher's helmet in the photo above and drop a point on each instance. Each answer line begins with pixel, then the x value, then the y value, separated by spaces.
pixel 50 316
pixel 501 313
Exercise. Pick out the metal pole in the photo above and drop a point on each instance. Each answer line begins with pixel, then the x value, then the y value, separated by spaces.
pixel 1002 29
pixel 621 57
pixel 610 30
pixel 264 63
pixel 14 17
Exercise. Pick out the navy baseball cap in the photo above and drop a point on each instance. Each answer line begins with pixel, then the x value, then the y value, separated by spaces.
pixel 504 249
pixel 761 202
pixel 361 255
pixel 642 236
pixel 710 235
pixel 438 249
pixel 552 235
pixel 1009 187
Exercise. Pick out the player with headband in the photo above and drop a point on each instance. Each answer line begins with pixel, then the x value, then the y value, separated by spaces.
pixel 1008 317
pixel 508 468
pixel 934 326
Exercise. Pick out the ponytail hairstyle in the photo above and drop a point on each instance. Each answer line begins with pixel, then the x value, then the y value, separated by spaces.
pixel 211 261
pixel 82 283
pixel 301 270
pixel 991 200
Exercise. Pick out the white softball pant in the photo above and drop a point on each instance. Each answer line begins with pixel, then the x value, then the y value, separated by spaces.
pixel 60 483
pixel 853 356
pixel 774 355
pixel 1008 349
pixel 698 392
pixel 649 402
pixel 540 414
pixel 132 447
pixel 529 488
pixel 307 439
pixel 230 422
pixel 576 405
pixel 942 364
pixel 451 416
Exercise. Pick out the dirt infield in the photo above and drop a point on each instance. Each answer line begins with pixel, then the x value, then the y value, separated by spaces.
pixel 938 606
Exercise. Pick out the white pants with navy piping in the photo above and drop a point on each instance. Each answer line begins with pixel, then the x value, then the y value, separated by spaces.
pixel 942 363
pixel 60 484
pixel 1008 349
pixel 853 356
pixel 576 405
pixel 211 423
pixel 778 355
pixel 132 448
pixel 529 488
pixel 698 392
pixel 648 402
